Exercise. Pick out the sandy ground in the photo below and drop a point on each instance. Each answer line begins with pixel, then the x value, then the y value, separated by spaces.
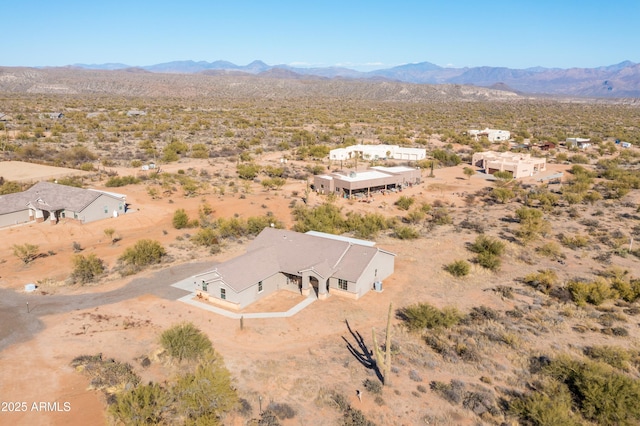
pixel 292 360
pixel 16 171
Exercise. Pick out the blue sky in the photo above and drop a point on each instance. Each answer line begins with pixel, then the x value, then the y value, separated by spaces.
pixel 356 34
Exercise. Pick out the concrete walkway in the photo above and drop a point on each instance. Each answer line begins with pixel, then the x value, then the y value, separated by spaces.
pixel 190 299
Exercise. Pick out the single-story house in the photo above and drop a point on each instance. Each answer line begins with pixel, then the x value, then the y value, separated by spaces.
pixel 493 135
pixel 519 164
pixel 279 259
pixel 377 152
pixel 4 117
pixel 374 179
pixel 581 143
pixel 53 202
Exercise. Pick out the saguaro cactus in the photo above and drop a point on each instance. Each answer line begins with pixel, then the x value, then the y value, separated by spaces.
pixel 383 358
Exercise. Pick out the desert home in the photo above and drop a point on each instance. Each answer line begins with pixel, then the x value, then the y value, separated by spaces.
pixel 378 152
pixel 520 165
pixel 493 135
pixel 580 143
pixel 374 179
pixel 53 202
pixel 279 259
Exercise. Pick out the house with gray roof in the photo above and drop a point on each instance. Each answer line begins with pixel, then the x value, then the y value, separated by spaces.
pixel 279 259
pixel 53 202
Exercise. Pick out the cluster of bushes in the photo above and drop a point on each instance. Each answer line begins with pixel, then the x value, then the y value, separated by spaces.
pixel 424 316
pixel 328 218
pixel 488 251
pixel 572 391
pixel 117 181
pixel 202 395
pixel 143 253
pixel 613 284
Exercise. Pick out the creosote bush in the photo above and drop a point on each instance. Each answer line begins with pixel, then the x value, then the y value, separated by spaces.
pixel 86 268
pixel 143 253
pixel 25 252
pixel 422 315
pixel 185 342
pixel 458 268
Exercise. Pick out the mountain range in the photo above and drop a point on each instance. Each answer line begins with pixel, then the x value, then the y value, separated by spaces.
pixel 614 81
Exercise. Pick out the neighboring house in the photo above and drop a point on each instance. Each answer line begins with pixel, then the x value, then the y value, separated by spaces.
pixel 53 202
pixel 375 179
pixel 55 115
pixel 547 146
pixel 377 152
pixel 135 112
pixel 580 143
pixel 520 165
pixel 278 259
pixel 493 135
pixel 4 117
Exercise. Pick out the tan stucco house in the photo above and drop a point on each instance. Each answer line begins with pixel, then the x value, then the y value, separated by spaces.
pixel 279 259
pixel 53 202
pixel 520 165
pixel 374 179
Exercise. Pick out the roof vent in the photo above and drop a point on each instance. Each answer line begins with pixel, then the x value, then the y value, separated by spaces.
pixel 352 174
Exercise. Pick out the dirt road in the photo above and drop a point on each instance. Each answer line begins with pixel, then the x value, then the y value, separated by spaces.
pixel 21 321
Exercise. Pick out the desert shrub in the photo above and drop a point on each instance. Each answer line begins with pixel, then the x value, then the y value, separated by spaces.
pixel 544 280
pixel 549 405
pixel 629 291
pixel 185 342
pixel 502 194
pixel 482 313
pixel 601 394
pixel 594 292
pixel 486 244
pixel 323 218
pixel 574 241
pixel 404 202
pixel 422 315
pixel 458 268
pixel 206 237
pixel 8 187
pixel 248 171
pixel 282 411
pixel 86 268
pixel 273 183
pixel 445 158
pixel 373 386
pixel 488 261
pixel 180 219
pixel 453 391
pixel 613 355
pixel 441 216
pixel 404 232
pixel 117 181
pixel 550 249
pixel 204 395
pixel 26 252
pixel 146 404
pixel 367 225
pixel 144 252
pixel 532 224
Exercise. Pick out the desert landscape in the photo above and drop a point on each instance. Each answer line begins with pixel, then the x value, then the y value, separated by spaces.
pixel 500 286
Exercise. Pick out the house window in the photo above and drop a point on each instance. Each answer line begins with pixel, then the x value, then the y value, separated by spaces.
pixel 260 287
pixel 204 285
pixel 106 209
pixel 342 284
pixel 120 206
pixel 223 293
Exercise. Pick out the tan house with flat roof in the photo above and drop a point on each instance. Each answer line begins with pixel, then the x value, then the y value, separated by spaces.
pixel 519 164
pixel 374 179
pixel 278 259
